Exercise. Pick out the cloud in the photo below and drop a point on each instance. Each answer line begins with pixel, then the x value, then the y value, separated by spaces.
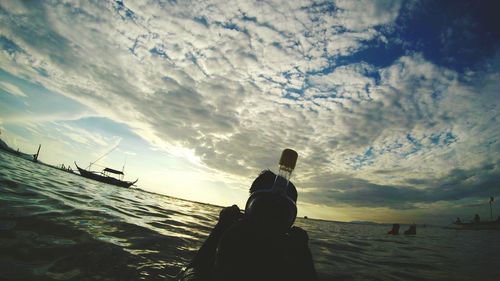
pixel 85 137
pixel 359 15
pixel 235 84
pixel 456 185
pixel 11 89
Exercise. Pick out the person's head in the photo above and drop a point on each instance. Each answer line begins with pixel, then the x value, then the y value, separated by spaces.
pixel 272 202
pixel 265 181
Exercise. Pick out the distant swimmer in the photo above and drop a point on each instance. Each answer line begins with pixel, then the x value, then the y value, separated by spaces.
pixel 477 219
pixel 412 230
pixel 261 244
pixel 394 230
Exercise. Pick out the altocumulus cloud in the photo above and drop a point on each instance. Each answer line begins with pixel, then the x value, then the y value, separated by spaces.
pixel 237 83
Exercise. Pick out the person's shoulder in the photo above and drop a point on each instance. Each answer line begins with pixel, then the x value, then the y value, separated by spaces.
pixel 234 247
pixel 239 226
pixel 236 232
pixel 299 235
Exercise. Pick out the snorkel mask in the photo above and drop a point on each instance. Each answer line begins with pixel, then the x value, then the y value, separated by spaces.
pixel 275 204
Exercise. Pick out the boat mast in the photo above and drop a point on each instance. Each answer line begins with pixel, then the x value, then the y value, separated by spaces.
pixel 491 209
pixel 35 156
pixel 92 163
pixel 123 168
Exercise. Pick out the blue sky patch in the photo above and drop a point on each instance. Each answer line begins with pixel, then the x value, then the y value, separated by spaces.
pixel 455 34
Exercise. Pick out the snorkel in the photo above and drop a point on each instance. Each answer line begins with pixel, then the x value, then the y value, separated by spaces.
pixel 273 205
pixel 286 166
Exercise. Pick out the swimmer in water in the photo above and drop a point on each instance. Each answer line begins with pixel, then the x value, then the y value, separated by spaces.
pixel 261 244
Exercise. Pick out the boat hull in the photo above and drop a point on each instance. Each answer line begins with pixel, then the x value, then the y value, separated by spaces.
pixel 486 225
pixel 100 178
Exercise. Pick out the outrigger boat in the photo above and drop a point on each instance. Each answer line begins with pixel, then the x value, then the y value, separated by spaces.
pixel 484 225
pixel 104 176
pixel 477 224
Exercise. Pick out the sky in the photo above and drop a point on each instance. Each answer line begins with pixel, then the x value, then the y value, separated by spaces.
pixel 392 106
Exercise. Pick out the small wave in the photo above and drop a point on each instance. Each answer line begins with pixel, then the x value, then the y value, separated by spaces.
pixel 58 226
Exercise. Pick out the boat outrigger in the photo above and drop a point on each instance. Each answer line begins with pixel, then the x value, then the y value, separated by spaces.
pixel 104 176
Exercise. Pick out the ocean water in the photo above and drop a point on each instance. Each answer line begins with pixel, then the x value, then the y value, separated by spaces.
pixel 59 226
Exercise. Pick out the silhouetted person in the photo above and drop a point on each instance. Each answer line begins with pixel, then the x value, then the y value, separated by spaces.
pixel 394 230
pixel 412 230
pixel 477 219
pixel 458 220
pixel 262 244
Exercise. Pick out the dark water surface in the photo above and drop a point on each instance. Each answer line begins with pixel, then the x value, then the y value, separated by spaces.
pixel 59 226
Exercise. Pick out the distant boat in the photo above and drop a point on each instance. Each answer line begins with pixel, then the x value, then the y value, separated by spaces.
pixel 104 176
pixel 65 168
pixel 8 149
pixel 483 225
pixel 477 224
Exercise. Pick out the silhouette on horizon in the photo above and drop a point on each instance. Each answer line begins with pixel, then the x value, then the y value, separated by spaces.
pixel 394 230
pixel 412 230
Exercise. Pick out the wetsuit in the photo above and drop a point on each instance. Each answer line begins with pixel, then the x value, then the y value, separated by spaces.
pixel 237 249
pixel 246 252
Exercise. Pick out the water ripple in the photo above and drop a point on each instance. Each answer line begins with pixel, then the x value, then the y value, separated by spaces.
pixel 59 226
